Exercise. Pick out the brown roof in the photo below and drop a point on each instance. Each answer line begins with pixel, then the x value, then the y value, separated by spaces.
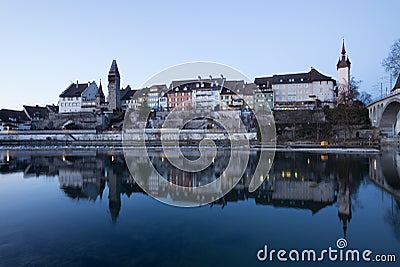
pixel 264 82
pixel 9 115
pixel 52 108
pixel 397 84
pixel 74 90
pixel 36 112
pixel 307 77
pixel 129 94
pixel 343 63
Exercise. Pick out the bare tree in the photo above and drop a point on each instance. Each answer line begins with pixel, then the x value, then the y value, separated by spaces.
pixel 348 92
pixel 392 62
pixel 364 97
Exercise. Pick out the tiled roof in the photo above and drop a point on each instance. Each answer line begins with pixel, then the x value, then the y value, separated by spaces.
pixel 128 95
pixel 343 63
pixel 36 112
pixel 8 115
pixel 397 84
pixel 264 82
pixel 307 77
pixel 53 108
pixel 74 90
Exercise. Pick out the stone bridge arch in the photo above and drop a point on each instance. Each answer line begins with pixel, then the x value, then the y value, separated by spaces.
pixel 388 116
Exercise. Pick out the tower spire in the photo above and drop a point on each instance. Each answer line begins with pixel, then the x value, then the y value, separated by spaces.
pixel 343 49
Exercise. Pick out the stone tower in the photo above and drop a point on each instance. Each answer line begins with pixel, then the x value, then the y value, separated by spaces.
pixel 343 68
pixel 114 89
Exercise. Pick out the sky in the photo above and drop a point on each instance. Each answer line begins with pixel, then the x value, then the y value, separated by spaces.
pixel 46 45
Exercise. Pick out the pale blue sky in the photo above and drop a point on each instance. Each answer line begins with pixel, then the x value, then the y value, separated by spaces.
pixel 47 44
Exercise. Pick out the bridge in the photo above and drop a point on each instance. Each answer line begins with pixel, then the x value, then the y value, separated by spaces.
pixel 384 113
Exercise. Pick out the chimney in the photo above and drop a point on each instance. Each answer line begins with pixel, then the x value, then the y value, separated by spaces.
pixel 77 84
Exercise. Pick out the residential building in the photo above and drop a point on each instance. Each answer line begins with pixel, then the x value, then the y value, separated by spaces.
pixel 247 94
pixel 200 93
pixel 78 97
pixel 179 97
pixel 14 120
pixel 128 101
pixel 265 92
pixel 343 68
pixel 154 93
pixel 300 90
pixel 229 96
pixel 36 113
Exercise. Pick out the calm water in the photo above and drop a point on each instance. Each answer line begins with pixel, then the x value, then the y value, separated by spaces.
pixel 83 208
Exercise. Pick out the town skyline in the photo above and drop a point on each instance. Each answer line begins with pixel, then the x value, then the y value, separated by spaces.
pixel 46 51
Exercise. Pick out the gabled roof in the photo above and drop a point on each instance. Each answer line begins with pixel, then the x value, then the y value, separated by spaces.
pixel 397 84
pixel 128 95
pixel 191 84
pixel 307 77
pixel 36 112
pixel 16 116
pixel 249 88
pixel 53 108
pixel 264 82
pixel 74 90
pixel 159 87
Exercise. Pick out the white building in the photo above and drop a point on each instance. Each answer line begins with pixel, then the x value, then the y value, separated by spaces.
pixel 302 90
pixel 78 98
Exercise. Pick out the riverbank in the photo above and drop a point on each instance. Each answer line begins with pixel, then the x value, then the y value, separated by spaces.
pixel 188 138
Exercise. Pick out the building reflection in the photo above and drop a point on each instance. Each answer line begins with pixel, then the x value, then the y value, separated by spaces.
pixel 307 181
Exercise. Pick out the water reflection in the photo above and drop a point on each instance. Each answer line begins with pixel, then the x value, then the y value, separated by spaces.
pixel 307 181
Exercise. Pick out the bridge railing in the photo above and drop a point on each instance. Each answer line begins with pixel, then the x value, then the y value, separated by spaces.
pixel 388 94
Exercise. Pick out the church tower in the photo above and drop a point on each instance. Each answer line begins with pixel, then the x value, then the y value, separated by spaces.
pixel 343 68
pixel 114 89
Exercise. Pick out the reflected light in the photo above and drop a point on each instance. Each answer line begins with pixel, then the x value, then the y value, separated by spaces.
pixel 295 174
pixel 261 178
pixel 374 164
pixel 112 158
pixel 308 161
pixel 324 157
pixel 8 156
